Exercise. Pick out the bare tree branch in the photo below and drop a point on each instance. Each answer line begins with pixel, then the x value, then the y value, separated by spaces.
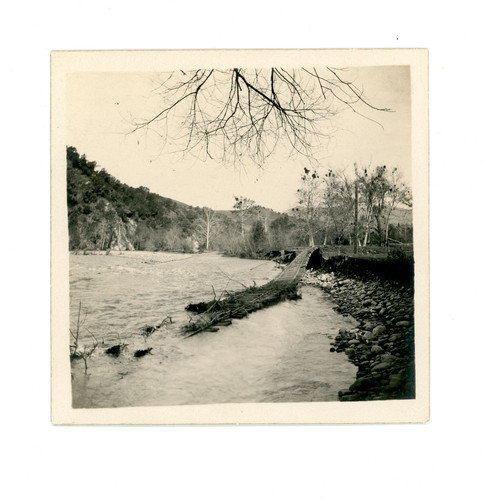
pixel 239 113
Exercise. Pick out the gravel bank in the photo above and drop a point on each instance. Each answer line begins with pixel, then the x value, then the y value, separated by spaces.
pixel 382 345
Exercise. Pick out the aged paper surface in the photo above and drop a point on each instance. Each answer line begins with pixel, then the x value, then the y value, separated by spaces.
pixel 64 64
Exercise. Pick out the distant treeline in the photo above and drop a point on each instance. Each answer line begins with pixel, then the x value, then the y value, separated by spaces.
pixel 105 214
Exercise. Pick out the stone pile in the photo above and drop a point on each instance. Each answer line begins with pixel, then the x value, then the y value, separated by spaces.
pixel 382 343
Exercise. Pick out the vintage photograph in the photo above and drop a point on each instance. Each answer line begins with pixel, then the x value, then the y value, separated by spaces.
pixel 240 236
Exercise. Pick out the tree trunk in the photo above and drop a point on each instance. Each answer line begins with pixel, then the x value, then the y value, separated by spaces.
pixel 367 230
pixel 387 225
pixel 379 230
pixel 242 223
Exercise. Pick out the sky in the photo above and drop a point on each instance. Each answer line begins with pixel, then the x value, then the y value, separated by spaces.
pixel 101 107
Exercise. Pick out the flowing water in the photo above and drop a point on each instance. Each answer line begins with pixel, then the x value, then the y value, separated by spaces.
pixel 280 354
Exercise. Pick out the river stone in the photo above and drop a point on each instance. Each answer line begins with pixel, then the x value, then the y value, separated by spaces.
pixel 388 358
pixel 396 380
pixel 381 366
pixel 353 342
pixel 368 326
pixel 378 330
pixel 376 349
pixel 403 323
pixel 362 383
pixel 375 332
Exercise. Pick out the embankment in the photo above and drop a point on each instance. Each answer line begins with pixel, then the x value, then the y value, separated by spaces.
pixel 379 295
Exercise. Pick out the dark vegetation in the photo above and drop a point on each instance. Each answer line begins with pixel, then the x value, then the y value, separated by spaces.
pixel 397 267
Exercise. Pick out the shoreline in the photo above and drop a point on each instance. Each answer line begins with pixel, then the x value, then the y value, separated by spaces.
pixel 381 346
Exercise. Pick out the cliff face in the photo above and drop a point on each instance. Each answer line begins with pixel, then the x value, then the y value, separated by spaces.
pixel 105 214
pixel 122 234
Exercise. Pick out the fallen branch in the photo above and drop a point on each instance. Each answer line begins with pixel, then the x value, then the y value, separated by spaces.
pixel 237 305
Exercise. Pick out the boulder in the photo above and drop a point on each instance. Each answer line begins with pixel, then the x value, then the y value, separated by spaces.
pixel 378 330
pixel 396 380
pixel 350 352
pixel 388 358
pixel 362 383
pixel 369 336
pixel 375 332
pixel 368 326
pixel 381 366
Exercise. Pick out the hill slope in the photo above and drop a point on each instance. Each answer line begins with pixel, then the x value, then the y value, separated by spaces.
pixel 105 214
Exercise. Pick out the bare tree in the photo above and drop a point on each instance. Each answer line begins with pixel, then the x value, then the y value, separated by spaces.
pixel 206 224
pixel 310 199
pixel 242 204
pixel 244 113
pixel 382 191
pixel 339 203
pixel 371 181
pixel 398 194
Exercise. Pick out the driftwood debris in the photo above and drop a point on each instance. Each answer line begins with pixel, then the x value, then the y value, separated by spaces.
pixel 220 312
pixel 147 330
pixel 116 350
pixel 142 352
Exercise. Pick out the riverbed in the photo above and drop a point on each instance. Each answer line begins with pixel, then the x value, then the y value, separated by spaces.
pixel 280 354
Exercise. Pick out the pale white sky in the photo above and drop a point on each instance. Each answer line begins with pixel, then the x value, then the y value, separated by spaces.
pixel 100 107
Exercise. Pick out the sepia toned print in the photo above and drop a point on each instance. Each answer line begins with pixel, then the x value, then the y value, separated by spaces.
pixel 240 237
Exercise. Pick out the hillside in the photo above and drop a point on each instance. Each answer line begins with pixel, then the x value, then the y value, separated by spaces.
pixel 105 214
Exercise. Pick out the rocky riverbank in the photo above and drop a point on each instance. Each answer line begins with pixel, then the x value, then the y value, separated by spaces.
pixel 382 344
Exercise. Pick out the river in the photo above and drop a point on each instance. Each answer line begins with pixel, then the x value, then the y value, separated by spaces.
pixel 280 354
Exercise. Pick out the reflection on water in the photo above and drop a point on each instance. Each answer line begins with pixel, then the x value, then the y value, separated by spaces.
pixel 277 354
